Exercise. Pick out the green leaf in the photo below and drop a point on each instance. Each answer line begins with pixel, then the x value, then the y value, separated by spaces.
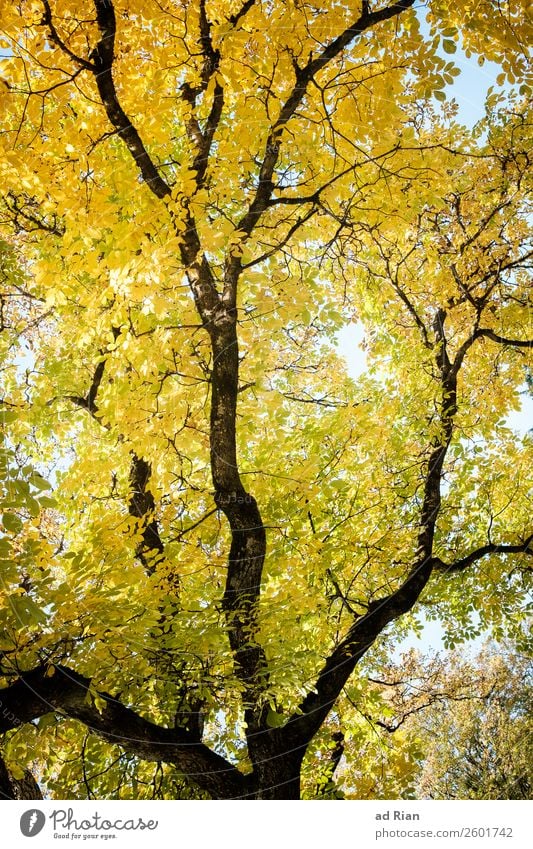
pixel 7 416
pixel 47 501
pixel 39 482
pixel 12 523
pixel 275 720
pixel 26 611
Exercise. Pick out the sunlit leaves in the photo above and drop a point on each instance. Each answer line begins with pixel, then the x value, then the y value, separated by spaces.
pixel 379 209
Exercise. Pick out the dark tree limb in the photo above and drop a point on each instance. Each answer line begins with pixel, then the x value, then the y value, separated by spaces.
pixel 334 760
pixel 344 658
pixel 150 550
pixel 525 547
pixel 304 75
pixel 27 216
pixel 7 789
pixel 36 693
pixel 101 66
pixel 27 787
pixel 504 340
pixel 248 537
pixel 55 38
pixel 202 141
pixel 234 19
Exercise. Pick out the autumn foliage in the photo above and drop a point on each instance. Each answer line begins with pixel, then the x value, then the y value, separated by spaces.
pixel 213 538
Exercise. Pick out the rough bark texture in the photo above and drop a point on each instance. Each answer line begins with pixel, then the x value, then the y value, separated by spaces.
pixel 17 788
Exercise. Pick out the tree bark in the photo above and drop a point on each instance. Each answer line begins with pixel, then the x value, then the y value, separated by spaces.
pixel 17 788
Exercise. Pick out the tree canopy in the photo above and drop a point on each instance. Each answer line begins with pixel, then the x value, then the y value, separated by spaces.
pixel 212 536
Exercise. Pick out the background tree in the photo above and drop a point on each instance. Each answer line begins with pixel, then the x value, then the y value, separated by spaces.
pixel 468 723
pixel 489 756
pixel 190 238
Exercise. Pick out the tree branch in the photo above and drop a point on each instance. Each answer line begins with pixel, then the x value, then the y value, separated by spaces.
pixel 525 547
pixel 303 77
pixel 365 629
pixel 17 788
pixel 150 550
pixel 36 693
pixel 344 658
pixel 28 218
pixel 234 19
pixel 503 340
pixel 102 63
pixel 204 140
pixel 141 503
pixel 58 41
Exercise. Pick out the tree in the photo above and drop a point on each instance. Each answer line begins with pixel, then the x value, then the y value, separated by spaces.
pixel 196 198
pixel 495 742
pixel 468 722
